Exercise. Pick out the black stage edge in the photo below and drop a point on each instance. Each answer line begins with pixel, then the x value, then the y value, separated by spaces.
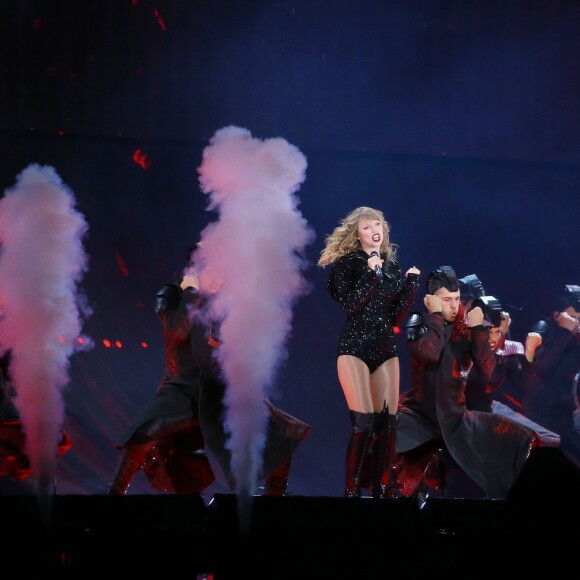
pixel 531 534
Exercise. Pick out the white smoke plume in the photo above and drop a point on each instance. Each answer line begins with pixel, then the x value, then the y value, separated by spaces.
pixel 256 249
pixel 41 261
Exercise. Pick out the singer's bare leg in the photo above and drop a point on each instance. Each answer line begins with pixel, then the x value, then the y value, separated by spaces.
pixel 355 380
pixel 368 393
pixel 385 386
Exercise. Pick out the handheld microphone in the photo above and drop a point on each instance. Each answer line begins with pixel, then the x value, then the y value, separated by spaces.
pixel 378 269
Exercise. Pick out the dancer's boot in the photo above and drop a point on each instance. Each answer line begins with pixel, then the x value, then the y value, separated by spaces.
pixel 277 481
pixel 132 458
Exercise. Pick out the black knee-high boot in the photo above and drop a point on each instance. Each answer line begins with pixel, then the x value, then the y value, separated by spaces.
pixel 132 458
pixel 357 450
pixel 384 477
pixel 277 481
pixel 141 442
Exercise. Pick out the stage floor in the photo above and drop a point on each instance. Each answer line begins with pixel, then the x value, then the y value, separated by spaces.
pixel 533 533
pixel 158 536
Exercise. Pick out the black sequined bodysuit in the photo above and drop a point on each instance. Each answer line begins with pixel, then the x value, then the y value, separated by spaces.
pixel 373 306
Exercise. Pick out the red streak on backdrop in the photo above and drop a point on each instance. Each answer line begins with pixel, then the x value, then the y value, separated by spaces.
pixel 160 20
pixel 141 159
pixel 121 263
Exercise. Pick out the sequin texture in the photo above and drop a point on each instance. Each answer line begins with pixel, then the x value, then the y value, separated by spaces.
pixel 373 305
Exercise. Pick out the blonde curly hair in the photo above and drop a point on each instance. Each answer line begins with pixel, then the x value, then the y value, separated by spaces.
pixel 344 238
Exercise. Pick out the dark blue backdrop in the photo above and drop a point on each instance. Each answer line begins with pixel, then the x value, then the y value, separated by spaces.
pixel 459 120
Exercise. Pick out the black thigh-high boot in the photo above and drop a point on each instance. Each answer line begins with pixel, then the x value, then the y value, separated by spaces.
pixel 277 481
pixel 357 450
pixel 384 482
pixel 132 458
